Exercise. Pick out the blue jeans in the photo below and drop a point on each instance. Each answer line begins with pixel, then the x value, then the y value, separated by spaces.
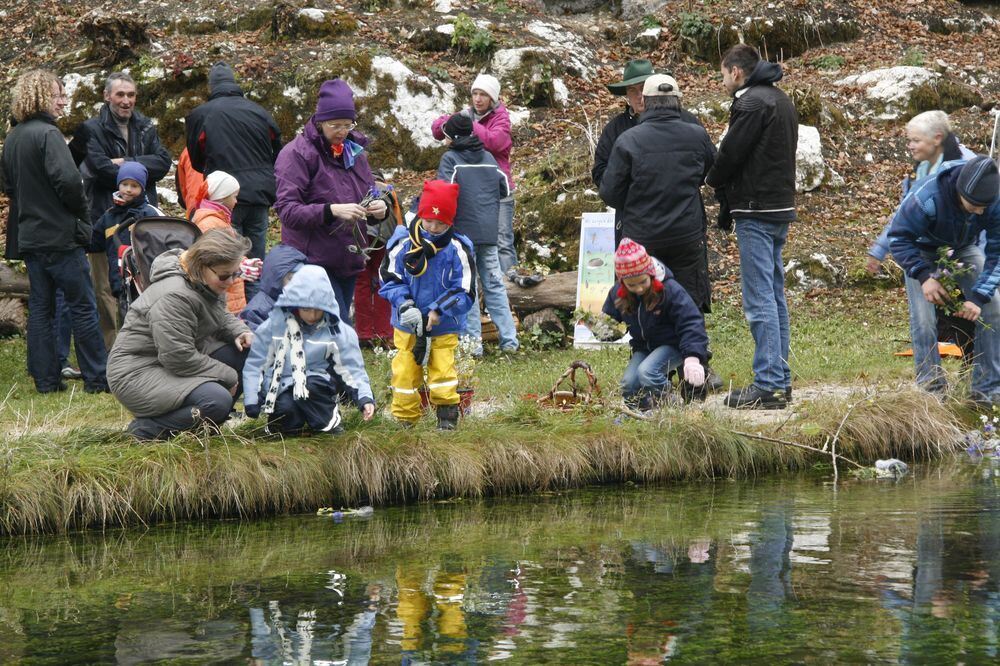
pixel 495 295
pixel 70 272
pixel 923 331
pixel 252 221
pixel 505 235
pixel 62 328
pixel 343 289
pixel 763 276
pixel 647 371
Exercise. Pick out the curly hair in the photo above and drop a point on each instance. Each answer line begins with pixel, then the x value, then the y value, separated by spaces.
pixel 217 247
pixel 32 94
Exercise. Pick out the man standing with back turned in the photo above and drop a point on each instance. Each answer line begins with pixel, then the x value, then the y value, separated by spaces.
pixel 755 174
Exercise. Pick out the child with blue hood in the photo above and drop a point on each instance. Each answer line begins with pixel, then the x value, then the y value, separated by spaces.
pixel 279 266
pixel 303 357
pixel 129 202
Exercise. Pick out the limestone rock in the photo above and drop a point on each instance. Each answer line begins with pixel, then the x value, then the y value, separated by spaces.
pixel 636 9
pixel 810 168
pixel 815 272
pixel 290 23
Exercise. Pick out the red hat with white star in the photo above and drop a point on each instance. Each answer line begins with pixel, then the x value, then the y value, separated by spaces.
pixel 438 201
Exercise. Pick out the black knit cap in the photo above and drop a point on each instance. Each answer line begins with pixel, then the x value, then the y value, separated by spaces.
pixel 458 125
pixel 979 181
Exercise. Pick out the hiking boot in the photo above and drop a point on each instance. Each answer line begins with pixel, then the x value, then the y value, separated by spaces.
pixel 788 394
pixel 690 392
pixel 69 372
pixel 447 417
pixel 754 397
pixel 528 281
pixel 102 387
pixel 61 386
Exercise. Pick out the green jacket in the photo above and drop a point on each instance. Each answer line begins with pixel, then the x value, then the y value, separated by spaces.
pixel 38 174
pixel 162 352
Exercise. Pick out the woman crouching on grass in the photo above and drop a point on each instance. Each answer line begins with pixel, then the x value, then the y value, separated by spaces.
pixel 667 328
pixel 177 361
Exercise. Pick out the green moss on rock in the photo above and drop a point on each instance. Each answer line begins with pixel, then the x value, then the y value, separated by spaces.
pixel 945 94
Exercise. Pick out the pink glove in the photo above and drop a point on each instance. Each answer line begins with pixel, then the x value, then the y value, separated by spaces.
pixel 694 371
pixel 250 269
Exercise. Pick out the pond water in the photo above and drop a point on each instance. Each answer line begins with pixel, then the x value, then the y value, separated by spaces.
pixel 777 570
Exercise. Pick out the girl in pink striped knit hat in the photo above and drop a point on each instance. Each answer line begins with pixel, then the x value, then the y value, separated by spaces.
pixel 667 328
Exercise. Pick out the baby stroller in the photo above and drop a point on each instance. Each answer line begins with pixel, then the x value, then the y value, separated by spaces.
pixel 140 241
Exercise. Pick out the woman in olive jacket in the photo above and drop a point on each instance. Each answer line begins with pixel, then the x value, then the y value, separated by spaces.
pixel 178 358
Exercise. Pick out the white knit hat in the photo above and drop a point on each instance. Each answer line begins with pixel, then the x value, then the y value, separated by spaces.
pixel 221 185
pixel 489 85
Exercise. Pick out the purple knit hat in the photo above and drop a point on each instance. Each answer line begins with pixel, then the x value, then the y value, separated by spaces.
pixel 336 101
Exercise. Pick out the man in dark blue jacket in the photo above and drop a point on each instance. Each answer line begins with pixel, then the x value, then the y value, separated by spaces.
pixel 755 172
pixel 232 134
pixel 950 210
pixel 118 134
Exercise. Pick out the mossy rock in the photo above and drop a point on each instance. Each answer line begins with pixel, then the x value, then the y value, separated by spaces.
pixel 430 40
pixel 780 36
pixel 532 79
pixel 198 25
pixel 255 19
pixel 945 94
pixel 808 104
pixel 291 23
pixel 114 38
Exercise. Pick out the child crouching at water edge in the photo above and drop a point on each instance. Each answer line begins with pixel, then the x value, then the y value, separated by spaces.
pixel 303 357
pixel 667 328
pixel 428 275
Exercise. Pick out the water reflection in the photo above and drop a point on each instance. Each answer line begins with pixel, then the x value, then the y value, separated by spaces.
pixel 788 570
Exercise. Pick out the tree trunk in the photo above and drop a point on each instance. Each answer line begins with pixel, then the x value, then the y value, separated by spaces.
pixel 557 291
pixel 12 283
pixel 12 319
pixel 547 320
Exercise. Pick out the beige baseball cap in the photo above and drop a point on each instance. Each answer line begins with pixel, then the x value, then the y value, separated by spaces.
pixel 661 84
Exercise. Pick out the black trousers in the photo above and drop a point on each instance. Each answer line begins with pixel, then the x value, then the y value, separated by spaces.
pixel 689 264
pixel 318 412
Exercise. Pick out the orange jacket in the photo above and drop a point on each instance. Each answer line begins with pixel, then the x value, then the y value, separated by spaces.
pixel 206 219
pixel 188 182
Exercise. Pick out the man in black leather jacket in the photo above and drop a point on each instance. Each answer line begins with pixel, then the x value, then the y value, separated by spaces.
pixel 755 169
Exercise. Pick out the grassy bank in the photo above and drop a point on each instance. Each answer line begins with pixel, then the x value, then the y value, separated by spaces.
pixel 64 463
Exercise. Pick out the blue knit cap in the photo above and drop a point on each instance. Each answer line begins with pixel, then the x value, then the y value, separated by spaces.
pixel 133 170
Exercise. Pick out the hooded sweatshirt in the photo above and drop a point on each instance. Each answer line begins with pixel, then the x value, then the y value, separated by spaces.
pixel 279 262
pixel 331 346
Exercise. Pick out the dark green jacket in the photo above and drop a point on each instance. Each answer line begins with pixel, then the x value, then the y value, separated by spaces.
pixel 38 173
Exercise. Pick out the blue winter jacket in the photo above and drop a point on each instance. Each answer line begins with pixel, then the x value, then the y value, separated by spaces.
pixel 675 321
pixel 932 217
pixel 448 285
pixel 108 225
pixel 279 262
pixel 331 346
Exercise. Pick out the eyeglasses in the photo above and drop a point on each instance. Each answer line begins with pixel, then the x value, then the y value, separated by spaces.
pixel 338 127
pixel 225 277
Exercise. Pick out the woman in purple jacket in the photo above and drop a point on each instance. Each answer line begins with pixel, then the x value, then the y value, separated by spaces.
pixel 491 125
pixel 322 176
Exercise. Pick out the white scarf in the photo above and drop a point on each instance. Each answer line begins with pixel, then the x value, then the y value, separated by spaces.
pixel 292 340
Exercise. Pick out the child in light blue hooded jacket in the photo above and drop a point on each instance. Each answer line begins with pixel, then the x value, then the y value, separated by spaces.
pixel 303 358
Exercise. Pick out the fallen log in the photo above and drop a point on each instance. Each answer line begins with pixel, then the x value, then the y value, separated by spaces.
pixel 12 317
pixel 557 291
pixel 12 283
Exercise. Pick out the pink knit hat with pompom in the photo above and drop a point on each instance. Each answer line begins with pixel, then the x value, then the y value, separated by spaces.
pixel 632 260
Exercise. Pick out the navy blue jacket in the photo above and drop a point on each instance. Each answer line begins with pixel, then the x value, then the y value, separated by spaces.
pixel 279 262
pixel 481 186
pixel 106 227
pixel 932 217
pixel 676 321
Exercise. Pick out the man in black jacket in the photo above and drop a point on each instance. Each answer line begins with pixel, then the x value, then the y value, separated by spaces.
pixel 755 170
pixel 118 134
pixel 232 134
pixel 38 174
pixel 635 74
pixel 653 180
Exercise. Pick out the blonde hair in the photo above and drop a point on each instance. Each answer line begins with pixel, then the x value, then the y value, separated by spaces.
pixel 930 123
pixel 32 94
pixel 217 247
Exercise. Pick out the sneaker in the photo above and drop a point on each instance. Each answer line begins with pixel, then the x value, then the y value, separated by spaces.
pixel 754 397
pixel 69 372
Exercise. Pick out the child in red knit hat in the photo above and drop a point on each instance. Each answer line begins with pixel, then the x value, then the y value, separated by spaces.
pixel 667 328
pixel 429 277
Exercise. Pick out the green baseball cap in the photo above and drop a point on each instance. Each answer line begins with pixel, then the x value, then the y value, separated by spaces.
pixel 636 71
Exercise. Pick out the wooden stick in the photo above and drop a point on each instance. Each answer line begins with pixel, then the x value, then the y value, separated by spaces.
pixel 796 444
